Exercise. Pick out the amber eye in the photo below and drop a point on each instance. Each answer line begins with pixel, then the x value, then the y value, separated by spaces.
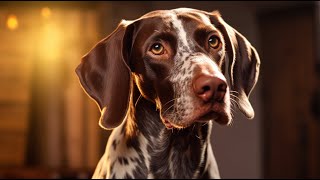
pixel 214 42
pixel 157 49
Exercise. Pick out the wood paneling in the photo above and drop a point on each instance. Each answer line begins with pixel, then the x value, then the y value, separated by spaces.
pixel 13 118
pixel 15 77
pixel 44 112
pixel 12 148
pixel 289 80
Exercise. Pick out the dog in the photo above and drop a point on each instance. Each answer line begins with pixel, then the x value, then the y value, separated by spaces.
pixel 160 83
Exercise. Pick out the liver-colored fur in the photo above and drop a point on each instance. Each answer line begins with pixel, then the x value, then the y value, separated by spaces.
pixel 160 83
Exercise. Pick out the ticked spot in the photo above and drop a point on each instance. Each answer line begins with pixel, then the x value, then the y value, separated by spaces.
pixel 184 47
pixel 179 66
pixel 125 161
pixel 127 176
pixel 114 144
pixel 189 67
pixel 183 71
pixel 136 160
pixel 120 159
pixel 112 166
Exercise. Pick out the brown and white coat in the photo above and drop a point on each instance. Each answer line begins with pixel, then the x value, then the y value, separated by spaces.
pixel 159 81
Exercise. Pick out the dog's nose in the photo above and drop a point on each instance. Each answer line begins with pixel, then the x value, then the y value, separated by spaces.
pixel 209 87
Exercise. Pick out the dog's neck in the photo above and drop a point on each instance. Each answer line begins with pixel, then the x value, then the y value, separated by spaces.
pixel 166 146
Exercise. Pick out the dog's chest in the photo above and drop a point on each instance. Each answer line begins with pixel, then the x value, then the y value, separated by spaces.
pixel 126 158
pixel 153 157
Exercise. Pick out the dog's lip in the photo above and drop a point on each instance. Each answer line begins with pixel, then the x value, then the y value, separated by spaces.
pixel 168 124
pixel 205 117
pixel 213 112
pixel 216 112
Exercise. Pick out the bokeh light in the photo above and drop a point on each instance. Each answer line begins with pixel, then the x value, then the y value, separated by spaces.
pixel 12 22
pixel 46 12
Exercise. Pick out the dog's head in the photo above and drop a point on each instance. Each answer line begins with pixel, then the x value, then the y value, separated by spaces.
pixel 177 59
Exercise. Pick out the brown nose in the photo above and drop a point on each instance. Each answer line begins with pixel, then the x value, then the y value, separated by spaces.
pixel 209 88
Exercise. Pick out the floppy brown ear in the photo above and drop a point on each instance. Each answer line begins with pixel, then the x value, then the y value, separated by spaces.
pixel 244 64
pixel 105 76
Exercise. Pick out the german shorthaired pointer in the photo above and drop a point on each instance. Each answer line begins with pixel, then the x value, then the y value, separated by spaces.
pixel 159 81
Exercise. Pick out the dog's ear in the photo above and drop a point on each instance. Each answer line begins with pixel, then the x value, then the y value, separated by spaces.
pixel 244 63
pixel 105 76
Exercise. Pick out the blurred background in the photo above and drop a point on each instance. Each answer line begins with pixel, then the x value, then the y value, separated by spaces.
pixel 49 126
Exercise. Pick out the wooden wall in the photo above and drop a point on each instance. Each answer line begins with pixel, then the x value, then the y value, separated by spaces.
pixel 16 61
pixel 46 119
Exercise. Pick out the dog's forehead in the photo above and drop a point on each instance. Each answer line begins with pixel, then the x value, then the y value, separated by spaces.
pixel 176 21
pixel 170 16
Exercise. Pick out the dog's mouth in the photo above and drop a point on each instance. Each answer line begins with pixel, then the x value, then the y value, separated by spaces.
pixel 221 117
pixel 211 115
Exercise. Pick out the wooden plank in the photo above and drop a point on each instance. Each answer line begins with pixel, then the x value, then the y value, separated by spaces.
pixel 12 149
pixel 15 92
pixel 288 82
pixel 14 117
pixel 93 139
pixel 15 78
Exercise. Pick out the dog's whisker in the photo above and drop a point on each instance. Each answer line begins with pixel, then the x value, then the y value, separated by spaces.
pixel 232 110
pixel 234 96
pixel 137 100
pixel 236 92
pixel 167 109
pixel 204 124
pixel 169 101
pixel 197 136
pixel 231 122
pixel 193 127
pixel 234 101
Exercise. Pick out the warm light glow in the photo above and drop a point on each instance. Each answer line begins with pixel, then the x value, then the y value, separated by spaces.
pixel 12 22
pixel 52 40
pixel 46 12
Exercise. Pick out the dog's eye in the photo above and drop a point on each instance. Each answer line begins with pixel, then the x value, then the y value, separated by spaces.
pixel 214 42
pixel 157 49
